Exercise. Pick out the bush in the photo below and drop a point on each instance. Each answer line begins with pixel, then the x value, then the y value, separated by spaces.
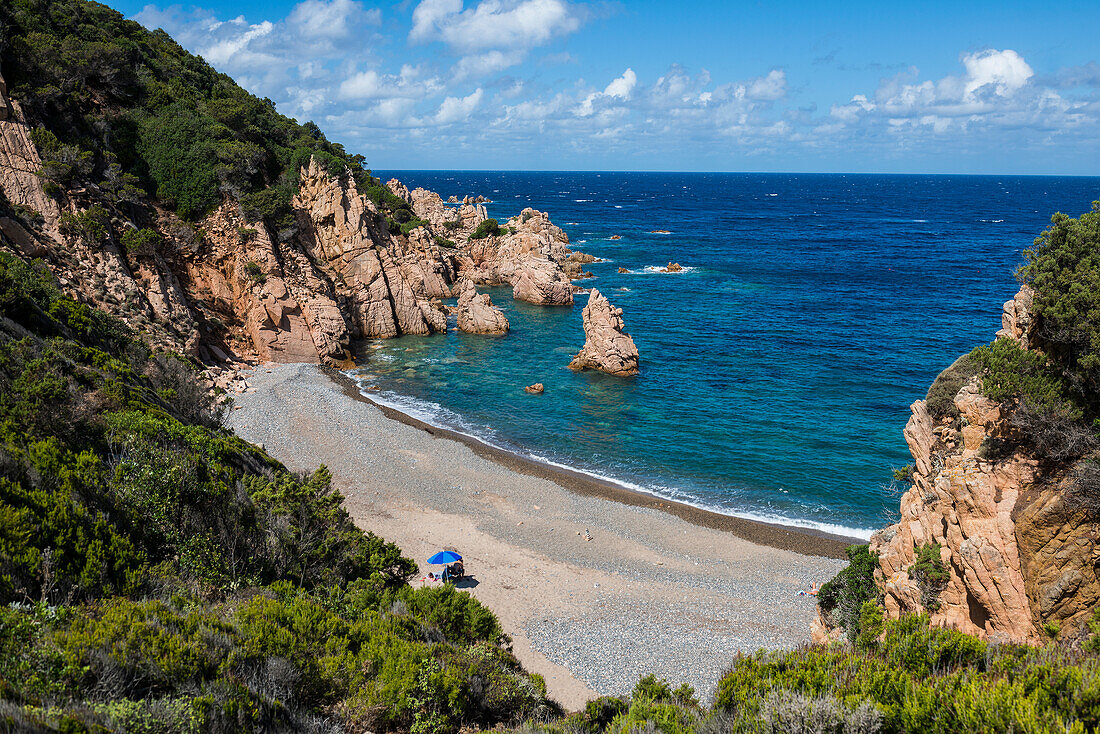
pixel 1063 268
pixel 940 398
pixel 1046 415
pixel 140 242
pixel 841 599
pixel 91 226
pixel 931 575
pixel 487 228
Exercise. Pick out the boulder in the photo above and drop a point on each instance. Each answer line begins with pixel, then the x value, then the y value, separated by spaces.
pixel 477 314
pixel 606 346
pixel 536 389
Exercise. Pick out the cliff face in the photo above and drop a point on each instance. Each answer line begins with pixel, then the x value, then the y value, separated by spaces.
pixel 1020 552
pixel 228 287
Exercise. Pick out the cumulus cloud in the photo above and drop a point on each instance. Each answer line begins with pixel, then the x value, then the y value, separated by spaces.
pixel 623 86
pixel 462 77
pixel 458 109
pixel 492 23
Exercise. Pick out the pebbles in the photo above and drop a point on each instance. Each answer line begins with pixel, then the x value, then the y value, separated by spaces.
pixel 608 591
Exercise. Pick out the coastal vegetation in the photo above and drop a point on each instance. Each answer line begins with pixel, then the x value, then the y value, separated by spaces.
pixel 132 114
pixel 159 574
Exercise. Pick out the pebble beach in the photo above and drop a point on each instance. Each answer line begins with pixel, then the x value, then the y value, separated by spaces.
pixel 594 588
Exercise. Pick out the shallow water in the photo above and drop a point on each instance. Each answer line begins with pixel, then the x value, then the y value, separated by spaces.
pixel 777 369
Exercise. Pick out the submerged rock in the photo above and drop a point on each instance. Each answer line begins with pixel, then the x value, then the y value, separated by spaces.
pixel 606 346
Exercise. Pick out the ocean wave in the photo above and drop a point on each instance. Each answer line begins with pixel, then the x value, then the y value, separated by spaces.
pixel 581 201
pixel 436 415
pixel 991 221
pixel 662 269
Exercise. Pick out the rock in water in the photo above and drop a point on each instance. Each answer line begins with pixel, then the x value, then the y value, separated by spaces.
pixel 536 389
pixel 477 314
pixel 606 347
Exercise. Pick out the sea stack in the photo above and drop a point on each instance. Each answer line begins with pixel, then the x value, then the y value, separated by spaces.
pixel 606 346
pixel 477 314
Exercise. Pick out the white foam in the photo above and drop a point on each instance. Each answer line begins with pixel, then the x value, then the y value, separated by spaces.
pixel 436 415
pixel 662 271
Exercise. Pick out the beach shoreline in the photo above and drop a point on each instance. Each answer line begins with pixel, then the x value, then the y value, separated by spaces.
pixel 592 591
pixel 807 541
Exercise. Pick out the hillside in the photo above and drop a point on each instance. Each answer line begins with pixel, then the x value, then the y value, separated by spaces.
pixel 159 190
pixel 159 574
pixel 999 524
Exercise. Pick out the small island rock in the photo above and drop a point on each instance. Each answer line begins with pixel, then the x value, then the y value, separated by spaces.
pixel 606 347
pixel 536 389
pixel 476 312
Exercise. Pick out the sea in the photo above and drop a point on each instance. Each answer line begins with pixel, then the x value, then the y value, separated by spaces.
pixel 777 368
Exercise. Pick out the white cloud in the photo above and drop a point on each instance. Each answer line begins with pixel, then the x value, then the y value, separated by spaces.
pixel 768 88
pixel 492 23
pixel 480 65
pixel 1005 71
pixel 232 38
pixel 623 86
pixel 331 20
pixel 458 109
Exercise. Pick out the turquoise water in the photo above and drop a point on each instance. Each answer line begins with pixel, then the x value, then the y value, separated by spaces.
pixel 777 369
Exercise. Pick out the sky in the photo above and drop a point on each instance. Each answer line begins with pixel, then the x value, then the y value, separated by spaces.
pixel 784 85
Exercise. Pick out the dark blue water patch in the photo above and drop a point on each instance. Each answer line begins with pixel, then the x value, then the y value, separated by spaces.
pixel 777 370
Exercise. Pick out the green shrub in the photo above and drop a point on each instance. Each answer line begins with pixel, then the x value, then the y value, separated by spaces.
pixel 91 226
pixel 255 272
pixel 940 398
pixel 1046 415
pixel 871 625
pixel 841 598
pixel 1063 268
pixel 931 575
pixel 487 228
pixel 140 242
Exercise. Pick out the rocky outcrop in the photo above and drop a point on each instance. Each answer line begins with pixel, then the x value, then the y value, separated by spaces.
pixel 476 313
pixel 388 283
pixel 19 166
pixel 533 258
pixel 606 347
pixel 229 288
pixel 1019 550
pixel 1016 317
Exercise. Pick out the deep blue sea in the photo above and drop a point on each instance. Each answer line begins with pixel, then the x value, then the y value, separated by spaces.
pixel 777 369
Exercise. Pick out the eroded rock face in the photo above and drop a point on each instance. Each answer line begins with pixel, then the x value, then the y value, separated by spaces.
pixel 229 288
pixel 477 314
pixel 1020 551
pixel 19 165
pixel 606 346
pixel 533 258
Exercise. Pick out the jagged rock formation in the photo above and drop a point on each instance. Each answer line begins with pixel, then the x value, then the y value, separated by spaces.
pixel 476 313
pixel 1020 551
pixel 533 258
pixel 228 288
pixel 606 347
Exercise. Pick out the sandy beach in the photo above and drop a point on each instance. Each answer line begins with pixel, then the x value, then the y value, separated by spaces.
pixel 658 587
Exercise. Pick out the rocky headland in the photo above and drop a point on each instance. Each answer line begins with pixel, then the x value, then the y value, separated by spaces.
pixel 999 533
pixel 228 287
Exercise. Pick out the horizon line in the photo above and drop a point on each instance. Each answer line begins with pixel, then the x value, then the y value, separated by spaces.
pixel 744 173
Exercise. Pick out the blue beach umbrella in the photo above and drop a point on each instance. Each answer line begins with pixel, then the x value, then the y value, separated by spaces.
pixel 444 557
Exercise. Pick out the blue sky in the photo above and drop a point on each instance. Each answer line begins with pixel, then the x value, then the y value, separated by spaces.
pixel 924 87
